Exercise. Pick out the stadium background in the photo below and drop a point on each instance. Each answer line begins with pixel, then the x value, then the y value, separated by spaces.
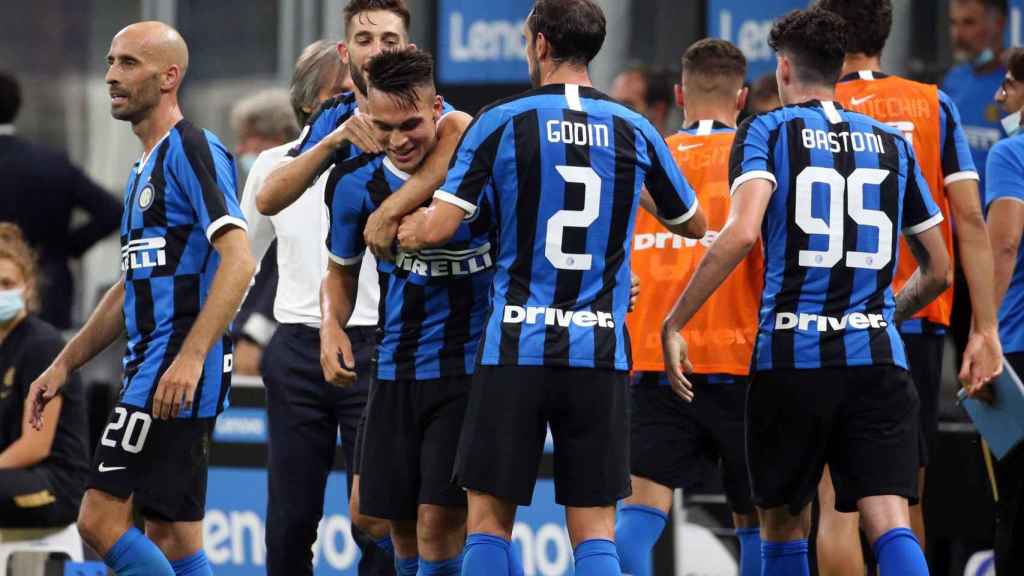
pixel 57 49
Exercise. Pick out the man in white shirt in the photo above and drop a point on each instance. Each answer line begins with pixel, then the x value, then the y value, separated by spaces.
pixel 306 413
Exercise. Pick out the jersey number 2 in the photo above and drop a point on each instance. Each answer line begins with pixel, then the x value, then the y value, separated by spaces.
pixel 851 188
pixel 563 219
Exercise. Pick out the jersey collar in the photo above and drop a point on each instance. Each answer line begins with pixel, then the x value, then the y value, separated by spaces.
pixel 864 75
pixel 141 164
pixel 705 127
pixel 395 169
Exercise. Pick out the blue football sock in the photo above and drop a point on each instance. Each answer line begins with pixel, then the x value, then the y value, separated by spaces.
pixel 785 558
pixel 750 551
pixel 515 560
pixel 486 555
pixel 449 567
pixel 636 531
pixel 386 545
pixel 407 566
pixel 135 555
pixel 194 565
pixel 597 557
pixel 899 552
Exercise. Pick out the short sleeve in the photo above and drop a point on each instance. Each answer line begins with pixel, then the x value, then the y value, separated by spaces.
pixel 1004 173
pixel 472 164
pixel 672 194
pixel 751 157
pixel 331 115
pixel 919 209
pixel 206 173
pixel 346 212
pixel 957 162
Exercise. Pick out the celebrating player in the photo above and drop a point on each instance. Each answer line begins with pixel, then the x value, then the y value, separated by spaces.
pixel 432 308
pixel 175 301
pixel 670 436
pixel 827 190
pixel 931 123
pixel 567 164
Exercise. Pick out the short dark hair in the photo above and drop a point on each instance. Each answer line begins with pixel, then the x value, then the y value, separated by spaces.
pixel 767 86
pixel 1001 6
pixel 10 97
pixel 714 57
pixel 657 82
pixel 814 40
pixel 872 19
pixel 398 7
pixel 398 73
pixel 1015 63
pixel 575 29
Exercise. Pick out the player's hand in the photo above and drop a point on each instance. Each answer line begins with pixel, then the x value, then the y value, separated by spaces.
pixel 380 233
pixel 673 346
pixel 408 231
pixel 983 360
pixel 634 291
pixel 177 387
pixel 336 358
pixel 359 131
pixel 44 389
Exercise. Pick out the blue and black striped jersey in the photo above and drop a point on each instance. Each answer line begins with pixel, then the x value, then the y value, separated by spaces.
pixel 845 186
pixel 176 199
pixel 432 302
pixel 567 164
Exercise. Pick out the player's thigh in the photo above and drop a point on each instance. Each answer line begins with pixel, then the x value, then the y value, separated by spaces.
pixel 789 415
pixel 924 356
pixel 589 417
pixel 442 411
pixel 503 433
pixel 390 465
pixel 665 444
pixel 877 438
pixel 720 403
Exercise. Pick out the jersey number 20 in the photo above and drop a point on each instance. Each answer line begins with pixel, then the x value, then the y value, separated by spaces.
pixel 563 219
pixel 852 189
pixel 128 443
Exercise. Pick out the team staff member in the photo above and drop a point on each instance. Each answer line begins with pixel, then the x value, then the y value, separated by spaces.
pixel 175 301
pixel 370 27
pixel 42 472
pixel 669 435
pixel 931 123
pixel 1004 201
pixel 554 348
pixel 828 363
pixel 305 413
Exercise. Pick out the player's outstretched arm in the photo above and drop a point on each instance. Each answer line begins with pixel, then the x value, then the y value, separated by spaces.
pixel 741 232
pixel 286 183
pixel 382 226
pixel 178 384
pixel 430 227
pixel 104 326
pixel 931 278
pixel 983 357
pixel 695 227
pixel 337 300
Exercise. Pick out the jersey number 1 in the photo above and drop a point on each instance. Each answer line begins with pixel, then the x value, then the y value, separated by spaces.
pixel 851 188
pixel 563 219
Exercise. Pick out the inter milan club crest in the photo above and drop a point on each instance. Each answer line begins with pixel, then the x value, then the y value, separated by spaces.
pixel 146 197
pixel 7 384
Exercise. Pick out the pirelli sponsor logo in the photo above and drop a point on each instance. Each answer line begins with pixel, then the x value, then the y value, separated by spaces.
pixel 444 262
pixel 144 253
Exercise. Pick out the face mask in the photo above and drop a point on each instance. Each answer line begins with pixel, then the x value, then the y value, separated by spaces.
pixel 1011 123
pixel 986 56
pixel 245 161
pixel 11 304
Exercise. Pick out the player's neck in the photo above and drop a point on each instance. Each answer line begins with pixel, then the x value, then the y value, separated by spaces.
pixel 360 99
pixel 159 122
pixel 694 112
pixel 859 62
pixel 798 93
pixel 565 74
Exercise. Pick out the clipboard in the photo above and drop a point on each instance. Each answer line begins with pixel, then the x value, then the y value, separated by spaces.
pixel 1001 423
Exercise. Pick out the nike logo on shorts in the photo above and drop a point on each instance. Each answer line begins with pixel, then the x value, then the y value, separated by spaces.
pixel 103 468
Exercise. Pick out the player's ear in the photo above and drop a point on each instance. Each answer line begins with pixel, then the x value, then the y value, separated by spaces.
pixel 680 95
pixel 741 98
pixel 343 52
pixel 541 45
pixel 170 78
pixel 411 46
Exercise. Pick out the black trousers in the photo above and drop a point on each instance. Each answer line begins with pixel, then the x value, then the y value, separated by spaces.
pixel 1009 547
pixel 305 416
pixel 36 498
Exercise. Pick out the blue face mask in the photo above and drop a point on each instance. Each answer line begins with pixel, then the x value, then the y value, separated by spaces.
pixel 986 56
pixel 246 161
pixel 11 304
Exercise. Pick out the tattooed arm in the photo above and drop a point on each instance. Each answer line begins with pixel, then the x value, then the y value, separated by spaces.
pixel 932 276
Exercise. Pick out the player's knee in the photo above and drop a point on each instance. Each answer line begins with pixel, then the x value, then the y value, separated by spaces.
pixel 100 526
pixel 437 523
pixel 377 528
